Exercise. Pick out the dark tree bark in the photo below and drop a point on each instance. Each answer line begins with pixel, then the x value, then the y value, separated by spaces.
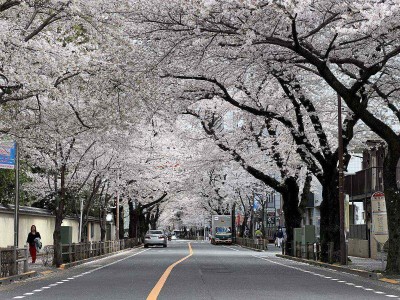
pixel 59 213
pixel 292 214
pixel 330 217
pixel 392 196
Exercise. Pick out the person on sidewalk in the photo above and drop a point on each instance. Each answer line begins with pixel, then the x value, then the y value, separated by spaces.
pixel 279 236
pixel 32 243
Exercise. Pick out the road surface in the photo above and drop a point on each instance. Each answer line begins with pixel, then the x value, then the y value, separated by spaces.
pixel 197 271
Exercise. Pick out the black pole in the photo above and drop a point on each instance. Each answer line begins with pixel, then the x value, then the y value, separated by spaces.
pixel 343 254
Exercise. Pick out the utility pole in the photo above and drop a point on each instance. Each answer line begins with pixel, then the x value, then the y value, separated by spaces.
pixel 343 252
pixel 117 207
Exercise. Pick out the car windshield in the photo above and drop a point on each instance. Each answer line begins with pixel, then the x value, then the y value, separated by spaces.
pixel 155 232
pixel 223 229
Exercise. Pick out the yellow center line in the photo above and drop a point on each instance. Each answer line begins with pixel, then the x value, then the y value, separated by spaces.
pixel 159 285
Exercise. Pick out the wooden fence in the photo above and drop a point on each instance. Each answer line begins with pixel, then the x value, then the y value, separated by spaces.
pixel 13 262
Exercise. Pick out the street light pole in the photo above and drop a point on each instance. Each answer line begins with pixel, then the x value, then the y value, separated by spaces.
pixel 343 252
pixel 117 207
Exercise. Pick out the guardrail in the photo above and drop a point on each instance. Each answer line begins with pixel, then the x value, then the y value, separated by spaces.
pixel 13 261
pixel 258 244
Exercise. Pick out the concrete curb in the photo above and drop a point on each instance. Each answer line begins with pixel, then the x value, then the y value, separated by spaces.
pixel 367 274
pixel 10 279
pixel 81 262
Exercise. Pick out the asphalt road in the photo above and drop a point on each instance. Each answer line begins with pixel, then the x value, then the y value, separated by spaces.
pixel 211 272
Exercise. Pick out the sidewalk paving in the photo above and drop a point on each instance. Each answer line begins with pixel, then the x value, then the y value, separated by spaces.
pixel 366 264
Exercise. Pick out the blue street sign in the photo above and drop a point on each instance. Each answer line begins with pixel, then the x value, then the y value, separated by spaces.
pixel 7 154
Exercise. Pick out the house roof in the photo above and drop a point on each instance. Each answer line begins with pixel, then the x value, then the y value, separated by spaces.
pixel 28 210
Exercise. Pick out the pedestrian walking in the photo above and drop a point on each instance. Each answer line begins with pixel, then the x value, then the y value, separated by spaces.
pixel 279 236
pixel 275 239
pixel 34 242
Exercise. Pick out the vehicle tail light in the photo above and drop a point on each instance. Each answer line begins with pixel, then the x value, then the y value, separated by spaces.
pixel 147 237
pixel 161 237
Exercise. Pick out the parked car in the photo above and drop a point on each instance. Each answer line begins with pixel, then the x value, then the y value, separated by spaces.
pixel 155 237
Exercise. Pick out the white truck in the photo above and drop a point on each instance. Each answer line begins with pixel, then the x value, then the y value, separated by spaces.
pixel 221 230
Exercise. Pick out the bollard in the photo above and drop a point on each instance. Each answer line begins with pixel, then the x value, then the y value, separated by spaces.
pixel 70 252
pixel 26 259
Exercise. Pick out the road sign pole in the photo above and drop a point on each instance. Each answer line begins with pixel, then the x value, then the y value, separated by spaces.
pixel 16 207
pixel 16 223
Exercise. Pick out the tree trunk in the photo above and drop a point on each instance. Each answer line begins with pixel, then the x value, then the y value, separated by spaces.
pixel 60 203
pixel 133 220
pixel 103 225
pixel 233 216
pixel 392 196
pixel 244 224
pixel 290 199
pixel 330 214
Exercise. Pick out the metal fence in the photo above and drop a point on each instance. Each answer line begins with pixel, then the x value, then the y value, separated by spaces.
pixel 79 251
pixel 311 251
pixel 259 244
pixel 10 266
pixel 13 262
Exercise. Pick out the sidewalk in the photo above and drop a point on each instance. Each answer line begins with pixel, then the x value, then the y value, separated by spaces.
pixel 366 264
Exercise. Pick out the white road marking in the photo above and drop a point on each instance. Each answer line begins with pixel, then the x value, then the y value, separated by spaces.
pixel 231 248
pixel 85 273
pixel 340 281
pixel 38 290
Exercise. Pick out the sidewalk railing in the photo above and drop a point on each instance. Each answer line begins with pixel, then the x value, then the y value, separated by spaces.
pixel 308 250
pixel 80 251
pixel 258 244
pixel 13 262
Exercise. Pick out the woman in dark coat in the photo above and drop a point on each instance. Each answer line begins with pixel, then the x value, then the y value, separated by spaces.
pixel 31 241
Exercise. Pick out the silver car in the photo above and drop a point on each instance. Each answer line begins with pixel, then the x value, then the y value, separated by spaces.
pixel 155 237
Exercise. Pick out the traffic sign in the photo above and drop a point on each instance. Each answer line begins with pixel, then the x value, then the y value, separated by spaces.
pixel 379 217
pixel 7 154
